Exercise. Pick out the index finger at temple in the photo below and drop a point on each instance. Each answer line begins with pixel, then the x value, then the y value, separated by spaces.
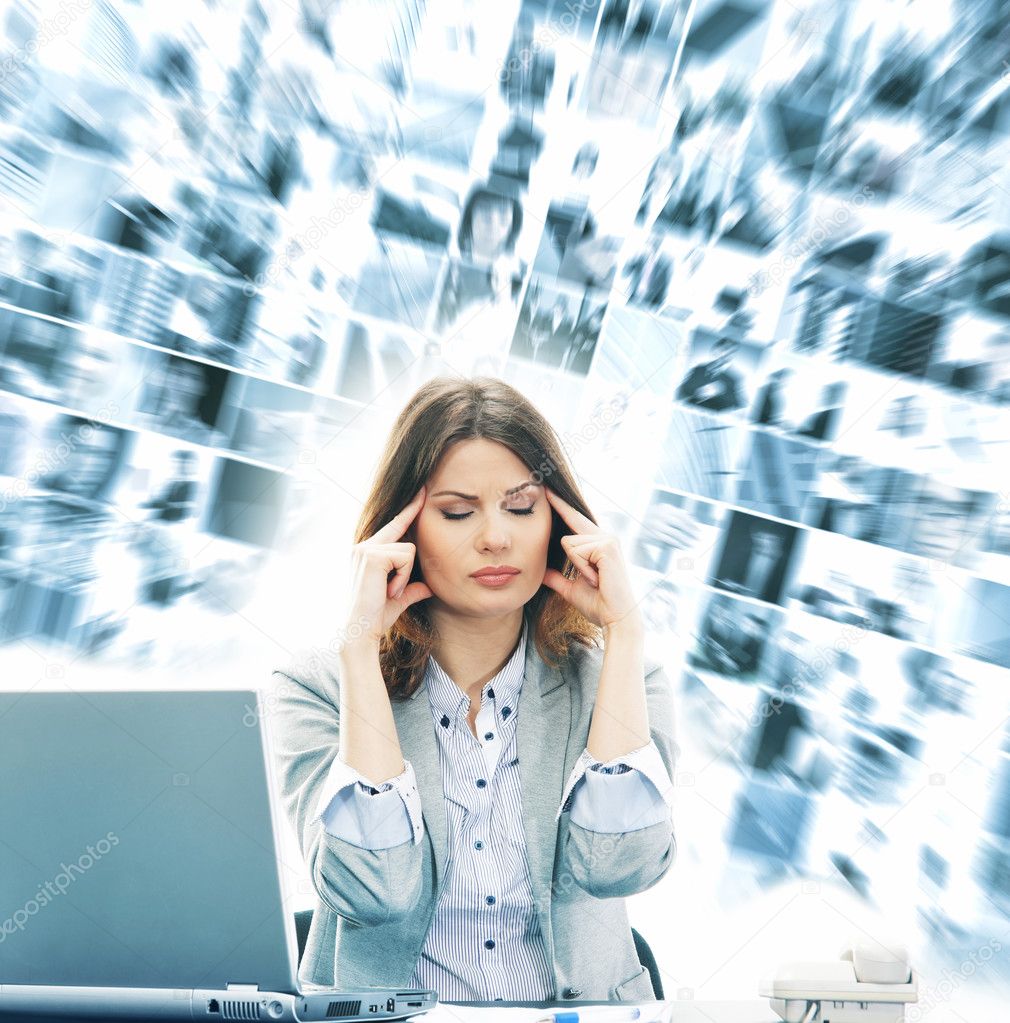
pixel 398 524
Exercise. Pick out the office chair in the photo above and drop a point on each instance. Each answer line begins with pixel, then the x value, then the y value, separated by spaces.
pixel 303 921
pixel 648 960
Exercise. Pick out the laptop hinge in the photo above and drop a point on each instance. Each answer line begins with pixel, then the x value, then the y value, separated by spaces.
pixel 242 987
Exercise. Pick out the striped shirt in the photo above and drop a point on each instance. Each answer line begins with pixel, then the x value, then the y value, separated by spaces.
pixel 485 942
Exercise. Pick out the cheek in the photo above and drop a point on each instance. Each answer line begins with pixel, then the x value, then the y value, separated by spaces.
pixel 545 534
pixel 433 543
pixel 418 535
pixel 422 533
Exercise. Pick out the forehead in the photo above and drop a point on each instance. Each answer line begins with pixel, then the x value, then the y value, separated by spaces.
pixel 491 203
pixel 478 464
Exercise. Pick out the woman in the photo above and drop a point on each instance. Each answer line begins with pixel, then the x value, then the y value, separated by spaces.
pixel 474 782
pixel 488 271
pixel 488 225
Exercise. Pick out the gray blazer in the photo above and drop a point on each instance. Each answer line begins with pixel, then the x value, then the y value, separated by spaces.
pixel 375 906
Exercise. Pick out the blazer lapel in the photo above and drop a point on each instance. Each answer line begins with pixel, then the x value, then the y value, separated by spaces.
pixel 420 746
pixel 542 732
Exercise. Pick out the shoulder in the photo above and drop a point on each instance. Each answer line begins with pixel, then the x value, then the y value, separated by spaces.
pixel 313 669
pixel 584 665
pixel 582 669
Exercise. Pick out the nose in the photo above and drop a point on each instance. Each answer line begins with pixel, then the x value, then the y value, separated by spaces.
pixel 494 533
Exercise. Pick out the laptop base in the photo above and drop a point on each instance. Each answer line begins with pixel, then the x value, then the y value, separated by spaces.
pixel 236 1002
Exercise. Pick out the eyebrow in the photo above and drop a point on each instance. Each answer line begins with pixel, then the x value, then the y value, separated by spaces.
pixel 473 497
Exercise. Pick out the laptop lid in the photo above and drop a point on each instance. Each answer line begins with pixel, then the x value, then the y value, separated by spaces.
pixel 139 842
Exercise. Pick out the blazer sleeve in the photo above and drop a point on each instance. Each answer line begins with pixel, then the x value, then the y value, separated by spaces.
pixel 616 863
pixel 367 886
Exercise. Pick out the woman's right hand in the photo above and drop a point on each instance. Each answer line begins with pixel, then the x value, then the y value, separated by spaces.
pixel 378 600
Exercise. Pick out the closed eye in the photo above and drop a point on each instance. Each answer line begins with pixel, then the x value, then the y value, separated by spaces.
pixel 466 515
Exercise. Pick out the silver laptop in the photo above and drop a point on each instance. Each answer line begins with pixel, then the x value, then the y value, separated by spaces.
pixel 139 865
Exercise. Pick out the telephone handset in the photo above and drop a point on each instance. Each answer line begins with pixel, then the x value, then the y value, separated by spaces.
pixel 869 983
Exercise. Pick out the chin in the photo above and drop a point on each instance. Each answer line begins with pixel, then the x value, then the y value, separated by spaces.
pixel 504 599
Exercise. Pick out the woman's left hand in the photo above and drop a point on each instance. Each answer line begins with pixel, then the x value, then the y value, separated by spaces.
pixel 602 590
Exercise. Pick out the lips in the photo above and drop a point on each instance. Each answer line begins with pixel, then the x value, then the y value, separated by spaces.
pixel 499 570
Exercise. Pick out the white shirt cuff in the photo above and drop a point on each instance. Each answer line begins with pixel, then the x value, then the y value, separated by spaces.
pixel 355 808
pixel 646 760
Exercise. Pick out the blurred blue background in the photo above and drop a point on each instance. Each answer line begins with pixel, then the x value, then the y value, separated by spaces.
pixel 751 258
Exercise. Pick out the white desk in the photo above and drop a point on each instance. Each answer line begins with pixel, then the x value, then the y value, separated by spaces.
pixel 755 1011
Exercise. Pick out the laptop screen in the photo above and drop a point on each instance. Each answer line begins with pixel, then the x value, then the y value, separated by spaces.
pixel 139 848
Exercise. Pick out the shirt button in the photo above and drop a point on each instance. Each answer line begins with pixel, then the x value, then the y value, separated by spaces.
pixel 481 783
pixel 490 693
pixel 489 736
pixel 489 943
pixel 505 711
pixel 478 844
pixel 445 721
pixel 490 900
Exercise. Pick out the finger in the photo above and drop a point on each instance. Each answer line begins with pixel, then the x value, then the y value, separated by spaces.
pixel 400 565
pixel 397 525
pixel 580 561
pixel 412 593
pixel 588 542
pixel 560 584
pixel 572 516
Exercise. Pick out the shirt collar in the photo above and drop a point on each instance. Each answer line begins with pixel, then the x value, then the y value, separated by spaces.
pixel 449 701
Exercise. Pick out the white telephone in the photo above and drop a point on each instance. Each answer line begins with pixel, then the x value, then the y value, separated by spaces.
pixel 870 983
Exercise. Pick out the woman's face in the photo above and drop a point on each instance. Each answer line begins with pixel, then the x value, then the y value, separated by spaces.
pixel 490 224
pixel 493 528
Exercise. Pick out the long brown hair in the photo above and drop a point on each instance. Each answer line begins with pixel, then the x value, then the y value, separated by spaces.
pixel 441 412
